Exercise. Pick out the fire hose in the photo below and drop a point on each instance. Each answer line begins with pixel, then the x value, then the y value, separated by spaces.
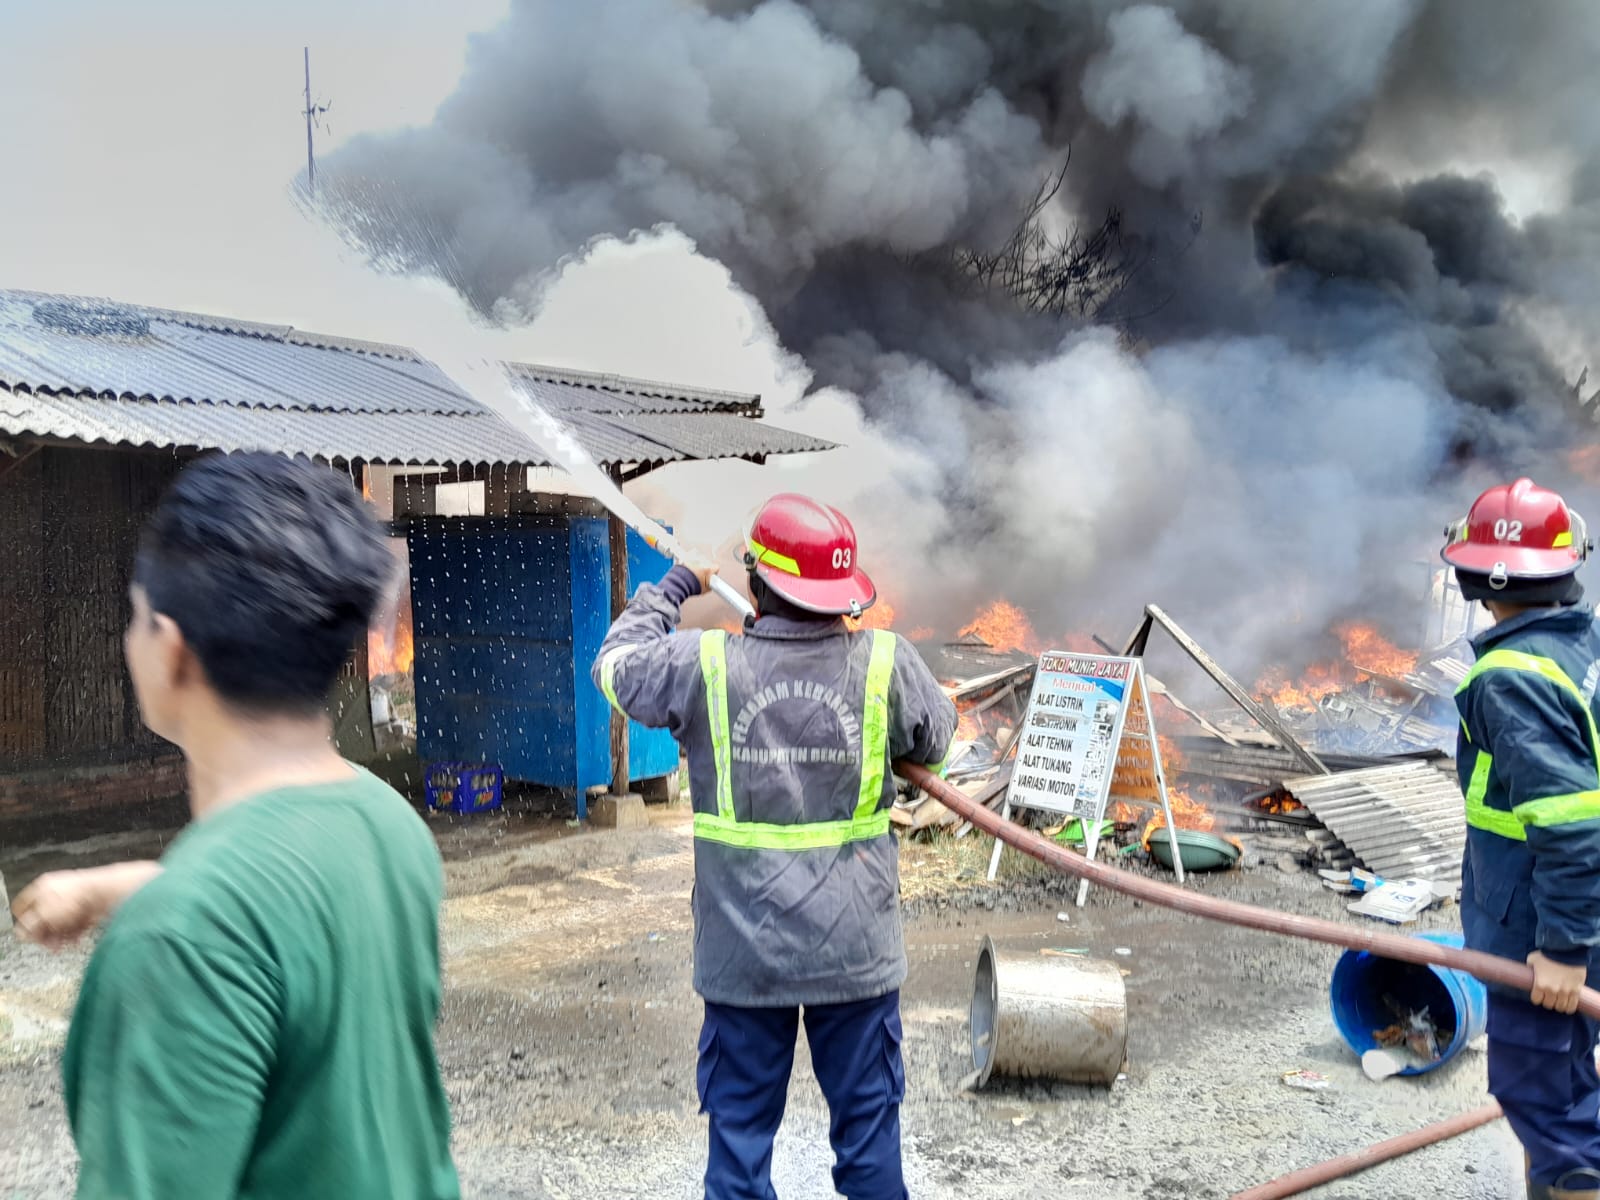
pixel 1487 967
pixel 1307 1178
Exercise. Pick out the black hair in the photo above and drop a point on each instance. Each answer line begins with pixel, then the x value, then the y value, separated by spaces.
pixel 1560 590
pixel 773 605
pixel 271 567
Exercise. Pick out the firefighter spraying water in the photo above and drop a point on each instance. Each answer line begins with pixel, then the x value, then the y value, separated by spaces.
pixel 789 732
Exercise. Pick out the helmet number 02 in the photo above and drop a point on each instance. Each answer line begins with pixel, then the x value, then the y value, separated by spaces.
pixel 1507 531
pixel 841 557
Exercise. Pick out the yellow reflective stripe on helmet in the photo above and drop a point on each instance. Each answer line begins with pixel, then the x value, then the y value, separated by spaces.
pixel 875 723
pixel 1480 815
pixel 714 669
pixel 608 675
pixel 773 559
pixel 1560 810
pixel 755 835
pixel 1562 541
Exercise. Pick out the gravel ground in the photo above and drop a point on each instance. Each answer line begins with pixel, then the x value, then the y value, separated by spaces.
pixel 569 1026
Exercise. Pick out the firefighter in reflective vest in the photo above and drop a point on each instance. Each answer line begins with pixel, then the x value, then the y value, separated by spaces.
pixel 1529 759
pixel 789 732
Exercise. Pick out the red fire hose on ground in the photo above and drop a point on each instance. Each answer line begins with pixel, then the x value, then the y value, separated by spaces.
pixel 1307 1178
pixel 1486 967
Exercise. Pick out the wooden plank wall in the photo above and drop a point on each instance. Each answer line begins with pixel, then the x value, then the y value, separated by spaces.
pixel 69 522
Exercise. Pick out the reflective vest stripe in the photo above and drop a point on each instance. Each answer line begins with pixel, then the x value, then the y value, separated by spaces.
pixel 866 823
pixel 875 723
pixel 608 675
pixel 1479 814
pixel 714 669
pixel 1560 810
pixel 1549 810
pixel 754 835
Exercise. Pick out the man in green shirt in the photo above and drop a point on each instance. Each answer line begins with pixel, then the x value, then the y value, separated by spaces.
pixel 258 1018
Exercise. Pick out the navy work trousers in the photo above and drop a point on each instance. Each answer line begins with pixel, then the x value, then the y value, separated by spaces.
pixel 1542 1070
pixel 745 1058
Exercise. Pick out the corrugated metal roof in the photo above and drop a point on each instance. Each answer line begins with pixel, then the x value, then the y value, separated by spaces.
pixel 97 371
pixel 412 438
pixel 1404 821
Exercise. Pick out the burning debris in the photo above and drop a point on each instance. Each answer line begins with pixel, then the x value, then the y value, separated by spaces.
pixel 1004 628
pixel 1371 701
pixel 391 654
pixel 1382 798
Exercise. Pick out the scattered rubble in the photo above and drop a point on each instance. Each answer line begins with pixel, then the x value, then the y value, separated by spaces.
pixel 1353 776
pixel 1414 1031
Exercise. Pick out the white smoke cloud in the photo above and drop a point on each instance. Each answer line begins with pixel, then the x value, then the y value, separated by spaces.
pixel 1175 88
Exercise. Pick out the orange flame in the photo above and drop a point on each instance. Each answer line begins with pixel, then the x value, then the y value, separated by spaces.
pixel 1004 626
pixel 1369 650
pixel 1366 652
pixel 1318 681
pixel 1187 812
pixel 386 657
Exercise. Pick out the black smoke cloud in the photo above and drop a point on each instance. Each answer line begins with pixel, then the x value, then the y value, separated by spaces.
pixel 1332 332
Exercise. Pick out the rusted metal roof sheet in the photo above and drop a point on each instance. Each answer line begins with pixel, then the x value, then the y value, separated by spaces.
pixel 1402 821
pixel 100 372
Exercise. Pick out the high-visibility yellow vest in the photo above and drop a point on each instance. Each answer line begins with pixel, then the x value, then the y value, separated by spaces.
pixel 867 821
pixel 1542 811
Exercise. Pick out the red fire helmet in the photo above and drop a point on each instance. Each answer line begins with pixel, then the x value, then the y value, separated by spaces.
pixel 1518 531
pixel 806 552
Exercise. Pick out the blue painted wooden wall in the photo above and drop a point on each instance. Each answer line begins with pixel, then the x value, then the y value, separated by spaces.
pixel 507 616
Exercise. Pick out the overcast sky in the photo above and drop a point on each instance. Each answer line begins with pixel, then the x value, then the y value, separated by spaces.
pixel 148 148
pixel 150 163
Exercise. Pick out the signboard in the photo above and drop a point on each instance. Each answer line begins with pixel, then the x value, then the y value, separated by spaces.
pixel 1066 754
pixel 1088 737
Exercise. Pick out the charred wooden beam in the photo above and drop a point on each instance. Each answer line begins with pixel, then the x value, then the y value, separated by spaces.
pixel 1267 721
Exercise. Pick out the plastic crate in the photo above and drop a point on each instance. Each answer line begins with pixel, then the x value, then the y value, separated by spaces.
pixel 464 787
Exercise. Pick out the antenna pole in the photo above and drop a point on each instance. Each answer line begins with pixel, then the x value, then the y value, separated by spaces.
pixel 310 113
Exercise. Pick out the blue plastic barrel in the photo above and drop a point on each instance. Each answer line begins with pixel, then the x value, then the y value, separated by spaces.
pixel 1456 1001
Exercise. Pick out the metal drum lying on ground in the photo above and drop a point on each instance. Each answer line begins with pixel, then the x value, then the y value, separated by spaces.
pixel 1064 1019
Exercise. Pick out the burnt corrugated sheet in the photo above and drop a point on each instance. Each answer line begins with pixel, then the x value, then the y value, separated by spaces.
pixel 1402 821
pixel 98 372
pixel 1253 762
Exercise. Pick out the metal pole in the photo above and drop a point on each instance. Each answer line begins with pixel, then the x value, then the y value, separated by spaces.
pixel 311 161
pixel 620 781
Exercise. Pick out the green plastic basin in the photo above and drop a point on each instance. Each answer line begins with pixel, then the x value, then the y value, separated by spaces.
pixel 1200 851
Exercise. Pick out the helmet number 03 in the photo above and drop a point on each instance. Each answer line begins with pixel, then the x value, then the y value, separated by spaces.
pixel 1504 531
pixel 841 556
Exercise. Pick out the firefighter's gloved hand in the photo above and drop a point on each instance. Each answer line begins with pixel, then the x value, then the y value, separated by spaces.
pixel 1557 986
